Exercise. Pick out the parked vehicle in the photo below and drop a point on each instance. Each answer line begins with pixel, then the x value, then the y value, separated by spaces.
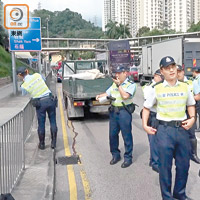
pixel 185 51
pixel 134 73
pixel 59 75
pixel 80 90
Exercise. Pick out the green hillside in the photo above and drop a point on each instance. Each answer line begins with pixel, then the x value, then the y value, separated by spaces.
pixel 6 63
pixel 67 24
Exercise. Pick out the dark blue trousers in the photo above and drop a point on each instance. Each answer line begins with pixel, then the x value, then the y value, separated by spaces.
pixel 121 120
pixel 152 140
pixel 172 143
pixel 47 106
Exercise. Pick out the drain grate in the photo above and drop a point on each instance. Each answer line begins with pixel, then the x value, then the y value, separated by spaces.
pixel 68 160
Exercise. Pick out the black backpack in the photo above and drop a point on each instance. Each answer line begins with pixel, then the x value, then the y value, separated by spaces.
pixel 7 196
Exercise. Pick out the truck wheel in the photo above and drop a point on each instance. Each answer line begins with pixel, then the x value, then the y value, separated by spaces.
pixel 65 101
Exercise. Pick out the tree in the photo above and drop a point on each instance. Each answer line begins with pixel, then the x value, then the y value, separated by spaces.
pixel 143 30
pixel 116 31
pixel 3 38
pixel 112 30
pixel 123 31
pixel 194 27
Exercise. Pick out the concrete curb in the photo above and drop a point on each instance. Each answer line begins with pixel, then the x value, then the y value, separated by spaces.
pixel 50 189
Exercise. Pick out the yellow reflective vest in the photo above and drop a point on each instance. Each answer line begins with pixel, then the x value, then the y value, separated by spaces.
pixel 36 86
pixel 171 101
pixel 116 94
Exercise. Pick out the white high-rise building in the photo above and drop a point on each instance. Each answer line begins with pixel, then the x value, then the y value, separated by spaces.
pixel 147 13
pixel 117 10
pixel 108 12
pixel 170 14
pixel 123 12
pixel 195 11
pixel 179 12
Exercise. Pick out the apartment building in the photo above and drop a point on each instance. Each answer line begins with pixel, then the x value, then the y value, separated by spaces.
pixel 179 12
pixel 170 14
pixel 117 10
pixel 108 12
pixel 146 13
pixel 195 11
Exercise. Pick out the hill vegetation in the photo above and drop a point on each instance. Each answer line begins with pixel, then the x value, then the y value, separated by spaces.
pixel 6 63
pixel 66 24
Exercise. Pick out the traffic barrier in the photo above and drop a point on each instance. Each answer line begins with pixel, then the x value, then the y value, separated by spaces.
pixel 5 80
pixel 13 135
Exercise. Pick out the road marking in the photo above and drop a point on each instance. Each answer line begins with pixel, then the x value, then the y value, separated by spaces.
pixel 85 183
pixel 70 170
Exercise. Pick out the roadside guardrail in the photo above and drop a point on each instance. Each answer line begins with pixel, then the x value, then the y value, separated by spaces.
pixel 13 136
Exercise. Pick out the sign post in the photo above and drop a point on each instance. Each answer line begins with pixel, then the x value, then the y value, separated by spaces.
pixel 25 40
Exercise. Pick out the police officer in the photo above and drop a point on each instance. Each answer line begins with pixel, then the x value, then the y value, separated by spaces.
pixel 172 98
pixel 43 100
pixel 196 88
pixel 120 114
pixel 152 120
pixel 191 131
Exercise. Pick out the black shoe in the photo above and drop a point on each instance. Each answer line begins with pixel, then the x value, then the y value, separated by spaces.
pixel 53 145
pixel 155 168
pixel 115 160
pixel 195 158
pixel 41 146
pixel 126 164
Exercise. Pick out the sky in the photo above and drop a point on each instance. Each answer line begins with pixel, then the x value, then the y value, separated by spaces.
pixel 89 9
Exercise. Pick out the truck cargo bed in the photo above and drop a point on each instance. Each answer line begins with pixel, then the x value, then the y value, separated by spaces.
pixel 85 89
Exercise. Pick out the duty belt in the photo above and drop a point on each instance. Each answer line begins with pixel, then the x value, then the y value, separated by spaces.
pixel 116 108
pixel 171 123
pixel 46 97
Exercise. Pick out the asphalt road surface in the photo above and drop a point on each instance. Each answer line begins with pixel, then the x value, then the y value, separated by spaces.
pixel 93 177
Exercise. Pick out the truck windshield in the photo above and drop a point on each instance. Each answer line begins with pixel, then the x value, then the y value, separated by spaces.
pixel 84 65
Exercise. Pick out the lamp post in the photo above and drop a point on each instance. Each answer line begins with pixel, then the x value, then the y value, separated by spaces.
pixel 47 20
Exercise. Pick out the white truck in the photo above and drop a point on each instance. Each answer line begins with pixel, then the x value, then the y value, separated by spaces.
pixel 185 51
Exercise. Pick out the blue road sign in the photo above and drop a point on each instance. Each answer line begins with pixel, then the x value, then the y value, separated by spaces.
pixel 27 39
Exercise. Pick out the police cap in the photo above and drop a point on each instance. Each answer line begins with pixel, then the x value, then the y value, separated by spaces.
pixel 157 72
pixel 196 69
pixel 179 68
pixel 21 70
pixel 166 61
pixel 121 68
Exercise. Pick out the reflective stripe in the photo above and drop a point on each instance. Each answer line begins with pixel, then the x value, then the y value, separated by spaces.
pixel 190 83
pixel 171 101
pixel 36 86
pixel 116 94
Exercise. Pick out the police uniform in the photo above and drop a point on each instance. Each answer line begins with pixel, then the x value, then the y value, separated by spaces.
pixel 121 119
pixel 196 89
pixel 44 101
pixel 172 139
pixel 191 131
pixel 152 122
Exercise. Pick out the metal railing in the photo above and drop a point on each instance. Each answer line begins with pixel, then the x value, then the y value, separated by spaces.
pixel 13 136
